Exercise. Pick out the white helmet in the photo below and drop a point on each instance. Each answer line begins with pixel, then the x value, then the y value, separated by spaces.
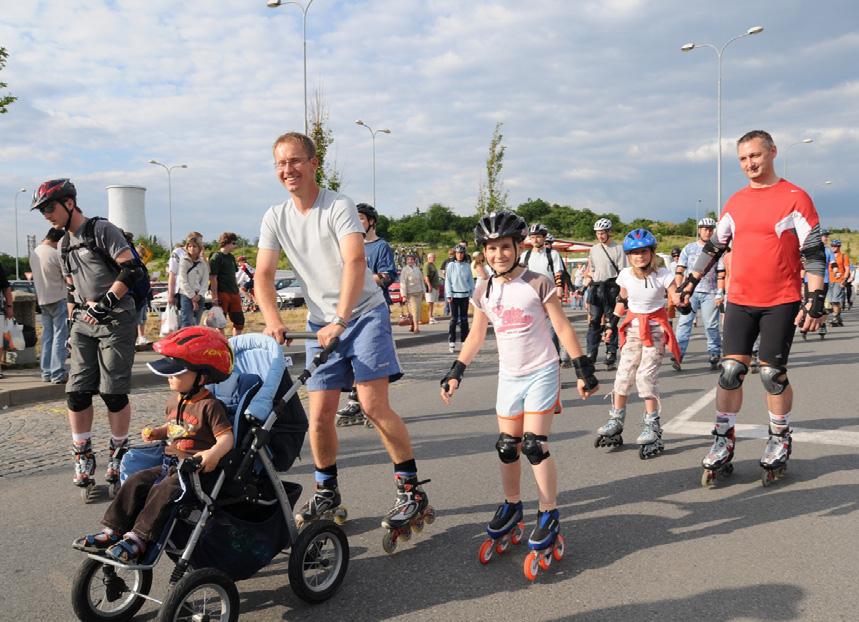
pixel 603 224
pixel 707 222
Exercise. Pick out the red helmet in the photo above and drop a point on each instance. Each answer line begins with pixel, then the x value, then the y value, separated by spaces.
pixel 53 190
pixel 195 348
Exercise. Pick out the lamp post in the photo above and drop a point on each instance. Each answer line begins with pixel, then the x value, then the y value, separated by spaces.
pixel 697 211
pixel 17 269
pixel 688 48
pixel 804 141
pixel 373 134
pixel 169 170
pixel 273 4
pixel 823 185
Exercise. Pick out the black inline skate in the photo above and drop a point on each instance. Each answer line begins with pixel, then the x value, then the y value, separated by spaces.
pixel 718 461
pixel 410 512
pixel 505 528
pixel 610 361
pixel 84 477
pixel 776 455
pixel 352 413
pixel 610 433
pixel 324 504
pixel 111 476
pixel 714 362
pixel 546 543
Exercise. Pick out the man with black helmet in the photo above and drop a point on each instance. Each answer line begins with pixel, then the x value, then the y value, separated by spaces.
pixel 100 269
pixel 605 261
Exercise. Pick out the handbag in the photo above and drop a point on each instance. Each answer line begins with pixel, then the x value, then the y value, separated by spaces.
pixel 169 321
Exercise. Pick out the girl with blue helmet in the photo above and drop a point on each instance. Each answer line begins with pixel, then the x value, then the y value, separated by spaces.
pixel 644 333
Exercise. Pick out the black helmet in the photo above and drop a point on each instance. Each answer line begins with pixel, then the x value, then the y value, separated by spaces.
pixel 369 211
pixel 675 252
pixel 538 229
pixel 499 225
pixel 53 190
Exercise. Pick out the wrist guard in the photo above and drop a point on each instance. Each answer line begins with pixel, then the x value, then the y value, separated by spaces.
pixel 99 313
pixel 623 301
pixel 613 321
pixel 585 371
pixel 817 299
pixel 457 370
pixel 684 295
pixel 558 281
pixel 109 300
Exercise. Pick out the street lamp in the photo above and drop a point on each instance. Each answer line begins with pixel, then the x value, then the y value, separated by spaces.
pixel 823 185
pixel 169 170
pixel 273 4
pixel 688 48
pixel 373 134
pixel 697 210
pixel 804 141
pixel 17 270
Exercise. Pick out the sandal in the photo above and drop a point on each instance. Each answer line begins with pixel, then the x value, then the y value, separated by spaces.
pixel 126 551
pixel 95 542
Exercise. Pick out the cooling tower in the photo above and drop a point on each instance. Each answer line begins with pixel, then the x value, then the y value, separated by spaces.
pixel 126 208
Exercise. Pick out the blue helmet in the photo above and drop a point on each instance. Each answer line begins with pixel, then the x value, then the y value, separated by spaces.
pixel 638 238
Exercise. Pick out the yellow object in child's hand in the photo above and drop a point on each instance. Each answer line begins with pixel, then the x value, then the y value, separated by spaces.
pixel 174 430
pixel 147 432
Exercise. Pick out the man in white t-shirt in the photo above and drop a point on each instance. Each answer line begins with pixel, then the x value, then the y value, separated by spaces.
pixel 323 238
pixel 50 285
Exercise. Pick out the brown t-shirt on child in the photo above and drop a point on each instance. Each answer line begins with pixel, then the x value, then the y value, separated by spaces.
pixel 204 419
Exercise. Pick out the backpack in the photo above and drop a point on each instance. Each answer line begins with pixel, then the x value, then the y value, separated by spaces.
pixel 141 291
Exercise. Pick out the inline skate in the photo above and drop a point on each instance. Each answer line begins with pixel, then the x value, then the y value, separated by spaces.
pixel 610 361
pixel 505 528
pixel 776 454
pixel 610 433
pixel 650 440
pixel 324 504
pixel 112 474
pixel 352 413
pixel 545 542
pixel 717 463
pixel 410 512
pixel 756 362
pixel 821 332
pixel 84 469
pixel 714 362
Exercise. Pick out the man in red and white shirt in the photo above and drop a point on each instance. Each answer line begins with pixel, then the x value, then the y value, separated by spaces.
pixel 773 229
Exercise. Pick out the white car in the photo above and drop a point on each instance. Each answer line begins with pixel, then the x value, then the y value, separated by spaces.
pixel 289 294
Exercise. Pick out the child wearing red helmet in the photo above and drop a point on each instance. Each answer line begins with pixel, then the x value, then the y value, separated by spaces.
pixel 196 426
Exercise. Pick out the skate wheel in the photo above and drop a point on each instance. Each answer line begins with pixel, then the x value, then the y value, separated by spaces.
pixel 340 515
pixel 620 441
pixel 299 521
pixel 502 544
pixel 485 552
pixel 728 469
pixel 418 525
pixel 545 559
pixel 708 477
pixel 112 489
pixel 822 336
pixel 368 424
pixel 767 477
pixel 429 515
pixel 406 533
pixel 518 532
pixel 339 423
pixel 559 548
pixel 531 566
pixel 389 542
pixel 642 454
pixel 597 441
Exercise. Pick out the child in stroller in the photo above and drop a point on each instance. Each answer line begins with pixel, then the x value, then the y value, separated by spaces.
pixel 228 523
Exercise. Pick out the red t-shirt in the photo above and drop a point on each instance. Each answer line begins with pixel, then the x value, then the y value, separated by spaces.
pixel 768 227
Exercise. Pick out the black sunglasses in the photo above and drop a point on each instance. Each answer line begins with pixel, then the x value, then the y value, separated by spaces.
pixel 48 208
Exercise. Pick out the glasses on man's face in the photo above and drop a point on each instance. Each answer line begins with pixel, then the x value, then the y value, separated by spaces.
pixel 48 209
pixel 283 165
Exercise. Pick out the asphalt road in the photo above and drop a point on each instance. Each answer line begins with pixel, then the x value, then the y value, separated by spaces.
pixel 644 540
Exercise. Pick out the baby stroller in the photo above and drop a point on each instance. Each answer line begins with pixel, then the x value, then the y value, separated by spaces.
pixel 237 529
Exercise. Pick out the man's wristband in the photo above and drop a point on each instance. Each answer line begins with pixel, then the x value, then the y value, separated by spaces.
pixel 340 321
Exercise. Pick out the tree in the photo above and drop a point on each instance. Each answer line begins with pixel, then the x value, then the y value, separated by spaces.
pixel 491 196
pixel 5 100
pixel 326 174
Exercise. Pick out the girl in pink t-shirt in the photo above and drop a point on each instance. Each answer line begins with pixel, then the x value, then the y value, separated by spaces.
pixel 521 304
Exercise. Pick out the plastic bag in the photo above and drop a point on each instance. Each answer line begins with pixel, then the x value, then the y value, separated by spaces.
pixel 13 335
pixel 215 318
pixel 169 321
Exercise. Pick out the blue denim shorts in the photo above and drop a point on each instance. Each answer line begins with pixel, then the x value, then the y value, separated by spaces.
pixel 537 393
pixel 366 352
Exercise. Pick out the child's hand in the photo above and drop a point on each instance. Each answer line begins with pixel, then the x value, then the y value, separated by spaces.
pixel 208 460
pixel 580 384
pixel 447 395
pixel 149 434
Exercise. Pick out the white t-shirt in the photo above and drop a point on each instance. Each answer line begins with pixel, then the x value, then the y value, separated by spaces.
pixel 516 311
pixel 312 244
pixel 47 268
pixel 176 255
pixel 648 294
pixel 539 263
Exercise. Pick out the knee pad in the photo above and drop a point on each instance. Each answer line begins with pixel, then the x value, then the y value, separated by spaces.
pixel 532 447
pixel 115 401
pixel 237 318
pixel 733 373
pixel 774 379
pixel 507 448
pixel 78 400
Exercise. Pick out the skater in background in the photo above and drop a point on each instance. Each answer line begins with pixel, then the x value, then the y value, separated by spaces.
pixel 458 287
pixel 518 301
pixel 412 289
pixel 643 336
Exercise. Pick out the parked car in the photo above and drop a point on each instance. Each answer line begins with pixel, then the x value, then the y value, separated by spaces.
pixel 159 298
pixel 289 294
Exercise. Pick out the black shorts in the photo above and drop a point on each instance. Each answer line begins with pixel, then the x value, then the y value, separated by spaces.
pixel 774 324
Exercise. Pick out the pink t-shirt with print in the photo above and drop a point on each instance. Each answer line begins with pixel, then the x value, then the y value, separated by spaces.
pixel 521 324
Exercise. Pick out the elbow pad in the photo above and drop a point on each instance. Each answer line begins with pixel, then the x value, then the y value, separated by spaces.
pixel 708 258
pixel 129 272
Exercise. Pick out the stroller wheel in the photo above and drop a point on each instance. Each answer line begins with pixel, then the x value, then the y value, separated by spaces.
pixel 318 561
pixel 104 592
pixel 204 594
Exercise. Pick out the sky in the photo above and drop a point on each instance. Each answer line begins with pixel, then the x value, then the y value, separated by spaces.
pixel 600 107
